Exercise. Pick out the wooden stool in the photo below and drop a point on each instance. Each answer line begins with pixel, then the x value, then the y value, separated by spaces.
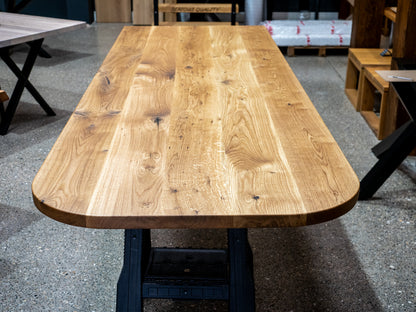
pixel 384 123
pixel 357 60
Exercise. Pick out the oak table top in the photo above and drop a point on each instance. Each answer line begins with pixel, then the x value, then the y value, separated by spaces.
pixel 21 28
pixel 195 127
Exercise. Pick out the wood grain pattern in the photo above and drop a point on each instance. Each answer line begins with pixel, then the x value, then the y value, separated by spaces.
pixel 20 28
pixel 113 11
pixel 404 37
pixel 368 57
pixel 195 127
pixel 142 12
pixel 367 22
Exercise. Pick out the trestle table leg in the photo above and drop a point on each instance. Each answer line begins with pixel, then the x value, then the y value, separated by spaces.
pixel 242 298
pixel 129 288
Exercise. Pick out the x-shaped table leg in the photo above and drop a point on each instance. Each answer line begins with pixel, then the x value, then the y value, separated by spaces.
pixel 393 150
pixel 22 82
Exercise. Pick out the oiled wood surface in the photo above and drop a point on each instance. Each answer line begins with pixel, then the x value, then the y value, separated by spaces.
pixel 368 57
pixel 20 28
pixel 195 127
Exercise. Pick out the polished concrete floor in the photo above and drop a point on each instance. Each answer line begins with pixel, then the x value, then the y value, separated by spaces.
pixel 363 261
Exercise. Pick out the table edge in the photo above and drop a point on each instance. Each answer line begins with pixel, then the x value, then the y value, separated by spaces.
pixel 196 221
pixel 44 34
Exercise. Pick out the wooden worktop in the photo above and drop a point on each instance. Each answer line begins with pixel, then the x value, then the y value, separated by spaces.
pixel 195 127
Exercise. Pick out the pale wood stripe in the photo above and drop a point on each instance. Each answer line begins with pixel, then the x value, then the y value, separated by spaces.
pixel 196 153
pixel 257 161
pixel 76 161
pixel 137 155
pixel 311 162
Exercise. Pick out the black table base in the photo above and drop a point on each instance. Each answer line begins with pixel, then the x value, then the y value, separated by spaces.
pixel 196 274
pixel 395 148
pixel 22 83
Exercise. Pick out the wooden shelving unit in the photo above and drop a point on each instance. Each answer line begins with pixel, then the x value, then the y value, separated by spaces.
pixel 361 83
pixel 358 59
pixel 378 118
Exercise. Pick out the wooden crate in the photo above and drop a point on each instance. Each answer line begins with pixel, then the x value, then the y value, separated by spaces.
pixel 382 123
pixel 357 60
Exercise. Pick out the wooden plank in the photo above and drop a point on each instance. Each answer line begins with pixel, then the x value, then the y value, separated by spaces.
pixel 404 35
pixel 391 75
pixel 248 135
pixel 368 57
pixel 404 42
pixel 204 127
pixel 94 121
pixel 141 137
pixel 345 9
pixel 20 28
pixel 390 13
pixel 169 17
pixel 3 96
pixel 142 12
pixel 367 24
pixel 388 114
pixel 295 120
pixel 196 7
pixel 113 11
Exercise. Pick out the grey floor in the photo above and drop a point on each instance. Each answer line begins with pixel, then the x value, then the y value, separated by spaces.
pixel 363 261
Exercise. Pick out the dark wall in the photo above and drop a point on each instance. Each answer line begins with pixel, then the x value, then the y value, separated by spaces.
pixel 70 9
